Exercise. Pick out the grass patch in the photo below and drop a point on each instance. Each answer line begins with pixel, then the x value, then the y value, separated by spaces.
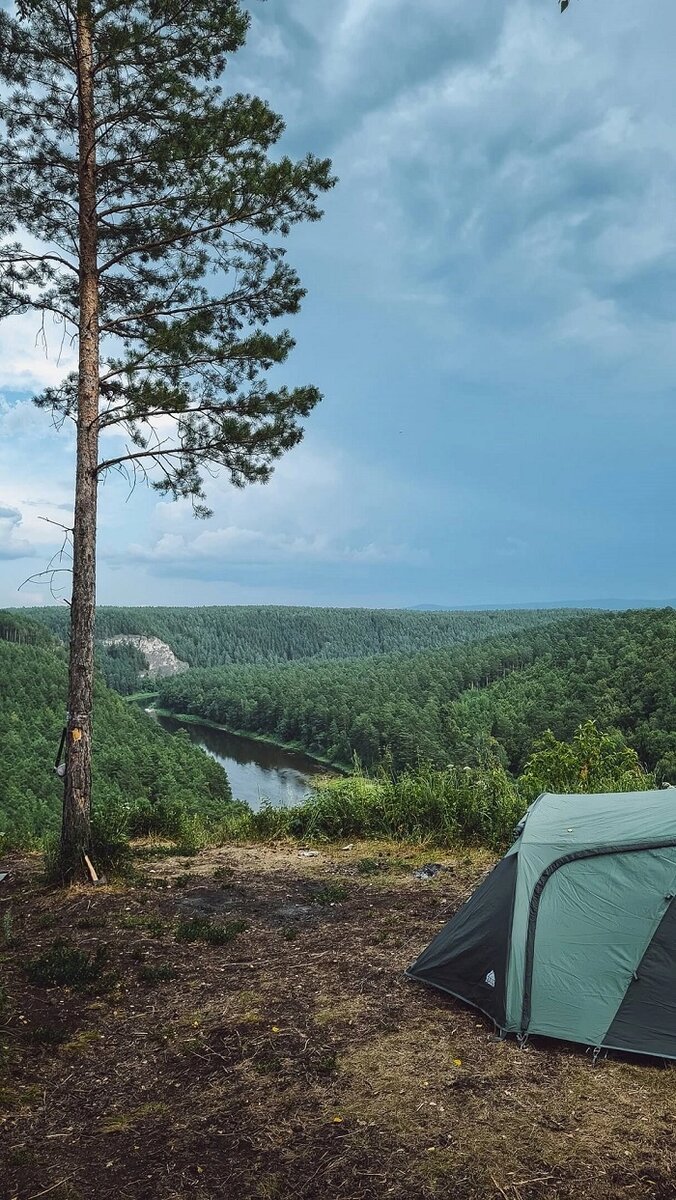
pixel 64 965
pixel 8 934
pixel 157 850
pixel 82 1042
pixel 124 1121
pixel 152 975
pixel 13 1098
pixel 370 866
pixel 203 929
pixel 330 893
pixel 337 1012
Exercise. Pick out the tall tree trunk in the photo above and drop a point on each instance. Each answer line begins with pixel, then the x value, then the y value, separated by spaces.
pixel 76 832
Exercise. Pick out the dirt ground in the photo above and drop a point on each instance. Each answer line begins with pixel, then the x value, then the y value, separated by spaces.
pixel 295 1060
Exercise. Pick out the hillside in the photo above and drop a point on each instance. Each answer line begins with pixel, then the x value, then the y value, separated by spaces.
pixel 140 772
pixel 212 637
pixel 464 702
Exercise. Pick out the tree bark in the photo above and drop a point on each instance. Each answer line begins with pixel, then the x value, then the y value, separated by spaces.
pixel 76 827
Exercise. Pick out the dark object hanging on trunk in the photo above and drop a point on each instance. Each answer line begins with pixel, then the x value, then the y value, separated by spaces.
pixel 60 767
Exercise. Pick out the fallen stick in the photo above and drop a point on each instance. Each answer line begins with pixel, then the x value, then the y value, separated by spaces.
pixel 264 962
pixel 90 867
pixel 51 1187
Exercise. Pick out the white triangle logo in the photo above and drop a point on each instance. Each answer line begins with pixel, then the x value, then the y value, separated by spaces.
pixel 490 979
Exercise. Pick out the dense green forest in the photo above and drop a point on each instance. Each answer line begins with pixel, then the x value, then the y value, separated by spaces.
pixel 122 666
pixel 464 703
pixel 142 775
pixel 447 732
pixel 213 637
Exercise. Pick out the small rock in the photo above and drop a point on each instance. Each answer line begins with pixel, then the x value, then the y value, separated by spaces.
pixel 429 870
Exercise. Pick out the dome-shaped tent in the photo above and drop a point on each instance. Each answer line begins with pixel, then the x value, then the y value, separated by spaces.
pixel 573 933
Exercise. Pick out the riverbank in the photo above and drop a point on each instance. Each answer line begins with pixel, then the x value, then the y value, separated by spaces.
pixel 290 747
pixel 287 1054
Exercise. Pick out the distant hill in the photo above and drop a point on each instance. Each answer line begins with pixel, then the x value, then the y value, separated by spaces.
pixel 215 636
pixel 465 703
pixel 557 605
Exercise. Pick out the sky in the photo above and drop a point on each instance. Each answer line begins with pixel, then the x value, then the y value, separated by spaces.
pixel 491 317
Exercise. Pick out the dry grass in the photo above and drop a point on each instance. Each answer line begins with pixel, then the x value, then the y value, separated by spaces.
pixel 282 1067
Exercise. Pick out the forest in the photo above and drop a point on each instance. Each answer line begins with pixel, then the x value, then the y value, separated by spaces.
pixel 478 703
pixel 143 776
pixel 462 704
pixel 215 636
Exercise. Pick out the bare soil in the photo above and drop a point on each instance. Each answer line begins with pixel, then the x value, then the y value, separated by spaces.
pixel 296 1060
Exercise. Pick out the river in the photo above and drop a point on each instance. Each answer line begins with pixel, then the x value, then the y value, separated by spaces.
pixel 257 771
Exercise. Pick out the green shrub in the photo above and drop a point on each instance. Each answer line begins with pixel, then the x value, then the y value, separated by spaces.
pixel 203 929
pixel 111 852
pixel 593 761
pixel 66 965
pixel 455 806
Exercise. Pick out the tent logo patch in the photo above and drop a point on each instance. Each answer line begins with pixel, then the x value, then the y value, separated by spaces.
pixel 490 979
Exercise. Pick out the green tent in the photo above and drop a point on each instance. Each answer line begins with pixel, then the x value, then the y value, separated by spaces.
pixel 573 933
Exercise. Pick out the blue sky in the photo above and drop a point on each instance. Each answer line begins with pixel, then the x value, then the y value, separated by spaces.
pixel 491 315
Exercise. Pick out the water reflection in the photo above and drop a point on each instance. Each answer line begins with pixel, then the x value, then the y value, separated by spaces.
pixel 257 771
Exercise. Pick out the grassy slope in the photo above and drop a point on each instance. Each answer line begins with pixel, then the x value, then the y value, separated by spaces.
pixel 296 1061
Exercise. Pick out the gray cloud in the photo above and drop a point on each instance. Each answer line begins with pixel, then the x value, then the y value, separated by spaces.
pixel 12 546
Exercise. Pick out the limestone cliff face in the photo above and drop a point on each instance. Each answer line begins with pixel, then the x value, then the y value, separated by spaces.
pixel 159 656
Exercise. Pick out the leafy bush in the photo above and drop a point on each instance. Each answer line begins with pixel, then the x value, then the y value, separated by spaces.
pixel 592 761
pixel 163 818
pixel 111 852
pixel 66 965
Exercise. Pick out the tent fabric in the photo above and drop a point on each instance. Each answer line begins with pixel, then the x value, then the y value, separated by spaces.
pixel 573 934
pixel 469 957
pixel 646 1019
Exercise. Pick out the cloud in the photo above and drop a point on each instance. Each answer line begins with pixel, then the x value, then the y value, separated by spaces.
pixel 11 545
pixel 33 357
pixel 319 509
pixel 510 190
pixel 234 546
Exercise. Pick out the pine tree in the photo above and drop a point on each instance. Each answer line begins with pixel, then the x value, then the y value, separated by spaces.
pixel 142 210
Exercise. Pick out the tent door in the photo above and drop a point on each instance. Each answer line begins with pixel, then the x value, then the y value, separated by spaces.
pixel 595 919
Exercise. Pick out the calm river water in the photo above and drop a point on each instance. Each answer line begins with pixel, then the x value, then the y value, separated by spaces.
pixel 257 771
